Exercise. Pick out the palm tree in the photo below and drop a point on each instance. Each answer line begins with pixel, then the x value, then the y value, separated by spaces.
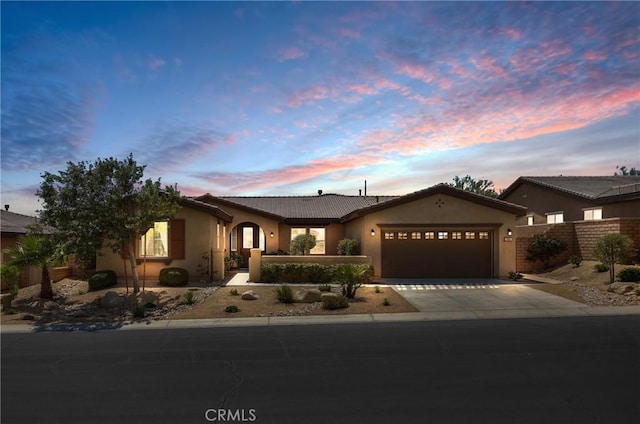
pixel 35 250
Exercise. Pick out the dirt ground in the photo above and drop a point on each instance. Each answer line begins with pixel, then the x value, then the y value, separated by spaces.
pixel 584 284
pixel 73 303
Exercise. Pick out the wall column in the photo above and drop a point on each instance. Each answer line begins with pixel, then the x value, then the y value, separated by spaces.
pixel 255 262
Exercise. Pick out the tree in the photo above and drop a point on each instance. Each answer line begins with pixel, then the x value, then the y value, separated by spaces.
pixel 622 171
pixel 104 204
pixel 35 250
pixel 613 249
pixel 484 187
pixel 543 248
pixel 302 244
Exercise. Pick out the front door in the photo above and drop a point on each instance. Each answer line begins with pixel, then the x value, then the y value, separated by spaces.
pixel 249 238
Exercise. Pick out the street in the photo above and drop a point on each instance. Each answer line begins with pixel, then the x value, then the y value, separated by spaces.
pixel 543 370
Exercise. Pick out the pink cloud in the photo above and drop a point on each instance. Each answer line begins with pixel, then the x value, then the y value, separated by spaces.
pixel 291 53
pixel 155 63
pixel 308 95
pixel 513 33
pixel 349 33
pixel 593 55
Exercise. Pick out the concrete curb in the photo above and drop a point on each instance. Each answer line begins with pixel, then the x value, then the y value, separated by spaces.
pixel 329 319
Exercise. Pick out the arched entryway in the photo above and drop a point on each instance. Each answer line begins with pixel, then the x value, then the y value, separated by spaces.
pixel 244 237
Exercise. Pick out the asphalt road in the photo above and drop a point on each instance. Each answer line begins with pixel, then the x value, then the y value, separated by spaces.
pixel 562 370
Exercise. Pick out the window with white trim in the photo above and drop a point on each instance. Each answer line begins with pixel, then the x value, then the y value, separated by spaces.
pixel 555 218
pixel 592 214
pixel 318 233
pixel 529 219
pixel 155 242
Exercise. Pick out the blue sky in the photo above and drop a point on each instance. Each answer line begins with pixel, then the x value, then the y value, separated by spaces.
pixel 286 98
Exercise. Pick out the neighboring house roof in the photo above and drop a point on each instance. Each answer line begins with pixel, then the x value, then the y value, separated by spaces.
pixel 340 208
pixel 15 223
pixel 206 207
pixel 599 189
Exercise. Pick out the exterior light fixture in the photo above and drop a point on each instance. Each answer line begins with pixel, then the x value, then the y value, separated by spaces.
pixel 373 232
pixel 271 234
pixel 509 232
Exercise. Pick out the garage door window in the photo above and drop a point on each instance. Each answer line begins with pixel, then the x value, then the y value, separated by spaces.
pixel 388 235
pixel 443 235
pixel 469 235
pixel 456 235
pixel 483 235
pixel 429 235
pixel 416 235
pixel 402 235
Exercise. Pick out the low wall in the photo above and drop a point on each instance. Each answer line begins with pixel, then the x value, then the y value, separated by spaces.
pixel 257 259
pixel 580 236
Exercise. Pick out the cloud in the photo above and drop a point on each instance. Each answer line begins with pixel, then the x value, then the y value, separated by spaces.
pixel 155 63
pixel 291 53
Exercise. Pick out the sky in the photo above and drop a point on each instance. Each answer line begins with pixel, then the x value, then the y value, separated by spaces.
pixel 288 98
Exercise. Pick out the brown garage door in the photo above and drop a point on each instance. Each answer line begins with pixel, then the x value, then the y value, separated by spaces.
pixel 436 253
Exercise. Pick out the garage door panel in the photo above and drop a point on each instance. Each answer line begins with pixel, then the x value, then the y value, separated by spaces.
pixel 436 258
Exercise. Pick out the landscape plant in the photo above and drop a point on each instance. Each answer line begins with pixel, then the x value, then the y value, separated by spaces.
pixel 231 309
pixel 600 267
pixel 36 250
pixel 348 247
pixel 629 275
pixel 105 203
pixel 543 248
pixel 352 276
pixel 613 249
pixel 284 293
pixel 102 279
pixel 515 276
pixel 189 298
pixel 335 302
pixel 575 260
pixel 302 244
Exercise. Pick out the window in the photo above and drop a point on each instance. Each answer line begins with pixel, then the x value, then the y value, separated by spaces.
pixel 318 233
pixel 402 235
pixel 443 235
pixel 247 237
pixel 155 243
pixel 470 235
pixel 456 235
pixel 592 214
pixel 483 235
pixel 530 220
pixel 555 218
pixel 416 235
pixel 429 235
pixel 388 235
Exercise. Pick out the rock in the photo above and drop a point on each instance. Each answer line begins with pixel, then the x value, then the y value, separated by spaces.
pixel 574 278
pixel 307 296
pixel 328 295
pixel 249 295
pixel 111 300
pixel 621 288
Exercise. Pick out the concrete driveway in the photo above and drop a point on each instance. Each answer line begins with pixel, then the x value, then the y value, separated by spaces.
pixel 476 295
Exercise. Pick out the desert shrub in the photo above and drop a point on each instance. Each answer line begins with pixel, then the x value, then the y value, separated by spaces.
pixel 348 247
pixel 189 298
pixel 284 293
pixel 174 277
pixel 629 275
pixel 302 244
pixel 377 289
pixel 234 292
pixel 139 310
pixel 575 260
pixel 271 273
pixel 231 309
pixel 352 276
pixel 102 279
pixel 600 267
pixel 335 302
pixel 543 248
pixel 318 274
pixel 296 273
pixel 514 275
pixel 325 287
pixel 614 249
pixel 386 302
pixel 637 291
pixel 10 275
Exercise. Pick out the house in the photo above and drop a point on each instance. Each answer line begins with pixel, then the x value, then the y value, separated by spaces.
pixel 578 210
pixel 438 232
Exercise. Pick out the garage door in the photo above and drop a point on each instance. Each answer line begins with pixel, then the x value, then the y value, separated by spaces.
pixel 436 253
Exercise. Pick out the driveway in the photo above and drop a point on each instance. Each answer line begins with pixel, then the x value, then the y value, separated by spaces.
pixel 477 295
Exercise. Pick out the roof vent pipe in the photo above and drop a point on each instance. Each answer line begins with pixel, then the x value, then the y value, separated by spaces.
pixel 319 192
pixel 360 192
pixel 6 207
pixel 365 188
pixel 377 199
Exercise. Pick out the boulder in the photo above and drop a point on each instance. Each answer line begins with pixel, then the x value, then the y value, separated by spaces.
pixel 249 295
pixel 328 295
pixel 307 296
pixel 621 288
pixel 111 300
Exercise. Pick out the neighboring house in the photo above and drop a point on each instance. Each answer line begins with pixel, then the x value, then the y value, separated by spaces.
pixel 12 227
pixel 437 232
pixel 577 210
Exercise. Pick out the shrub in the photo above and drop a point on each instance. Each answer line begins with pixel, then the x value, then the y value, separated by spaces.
pixel 317 273
pixel 10 275
pixel 271 273
pixel 575 260
pixel 348 247
pixel 613 249
pixel 325 287
pixel 174 277
pixel 377 289
pixel 102 279
pixel 284 293
pixel 600 267
pixel 234 292
pixel 629 275
pixel 296 273
pixel 386 302
pixel 231 309
pixel 189 298
pixel 139 310
pixel 514 275
pixel 543 248
pixel 302 244
pixel 637 291
pixel 351 277
pixel 335 302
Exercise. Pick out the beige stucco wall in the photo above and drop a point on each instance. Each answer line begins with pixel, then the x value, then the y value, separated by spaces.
pixel 201 238
pixel 426 212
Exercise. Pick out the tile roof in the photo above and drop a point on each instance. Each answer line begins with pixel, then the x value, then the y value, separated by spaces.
pixel 589 187
pixel 326 206
pixel 16 223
